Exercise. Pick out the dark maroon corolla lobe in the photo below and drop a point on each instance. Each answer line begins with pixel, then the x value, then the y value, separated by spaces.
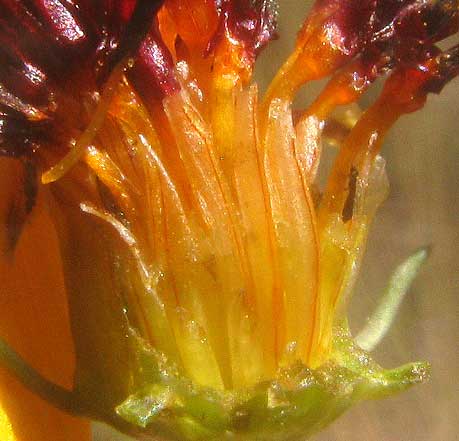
pixel 407 88
pixel 61 21
pixel 153 74
pixel 17 136
pixel 348 25
pixel 383 31
pixel 407 28
pixel 399 33
pixel 138 18
pixel 60 50
pixel 55 34
pixel 22 77
pixel 430 20
pixel 153 71
pixel 445 68
pixel 42 42
pixel 252 24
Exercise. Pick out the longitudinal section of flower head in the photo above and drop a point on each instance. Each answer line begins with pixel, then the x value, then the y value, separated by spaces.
pixel 190 196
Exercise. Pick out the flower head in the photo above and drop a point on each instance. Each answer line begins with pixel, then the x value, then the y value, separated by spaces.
pixel 206 273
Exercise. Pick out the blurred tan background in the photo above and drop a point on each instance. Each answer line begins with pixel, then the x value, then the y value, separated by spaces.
pixel 422 153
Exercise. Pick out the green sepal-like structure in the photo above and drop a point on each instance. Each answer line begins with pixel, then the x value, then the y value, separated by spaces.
pixel 296 404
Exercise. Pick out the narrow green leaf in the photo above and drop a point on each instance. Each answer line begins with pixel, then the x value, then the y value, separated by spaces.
pixel 384 315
